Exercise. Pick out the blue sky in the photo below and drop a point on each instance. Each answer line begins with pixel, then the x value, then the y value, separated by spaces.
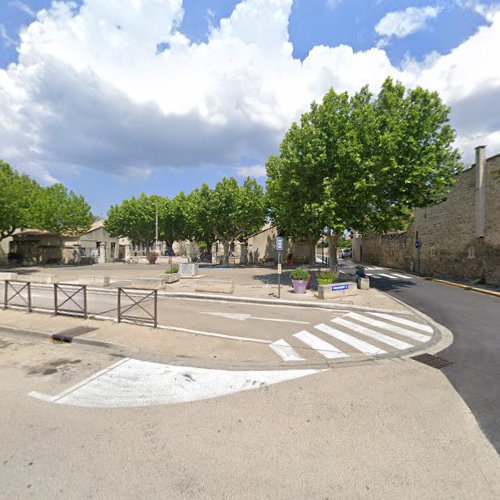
pixel 117 97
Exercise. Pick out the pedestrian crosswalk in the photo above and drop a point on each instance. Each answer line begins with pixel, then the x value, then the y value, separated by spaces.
pixel 388 275
pixel 354 334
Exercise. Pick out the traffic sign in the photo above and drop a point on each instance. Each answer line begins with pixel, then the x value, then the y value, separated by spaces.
pixel 279 243
pixel 418 244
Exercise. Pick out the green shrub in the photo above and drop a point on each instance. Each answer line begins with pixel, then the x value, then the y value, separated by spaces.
pixel 301 273
pixel 326 277
pixel 172 270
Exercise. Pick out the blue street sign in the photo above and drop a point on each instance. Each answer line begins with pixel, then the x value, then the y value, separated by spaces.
pixel 279 243
pixel 418 244
pixel 339 287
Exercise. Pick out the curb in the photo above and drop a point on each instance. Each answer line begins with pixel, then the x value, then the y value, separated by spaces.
pixel 247 300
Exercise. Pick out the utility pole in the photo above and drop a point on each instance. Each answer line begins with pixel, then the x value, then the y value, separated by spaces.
pixel 156 228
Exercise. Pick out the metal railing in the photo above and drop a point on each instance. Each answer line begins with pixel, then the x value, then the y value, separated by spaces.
pixel 123 309
pixel 69 293
pixel 17 288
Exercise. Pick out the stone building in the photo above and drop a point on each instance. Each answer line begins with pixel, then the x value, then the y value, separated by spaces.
pixel 457 238
pixel 261 247
pixel 33 246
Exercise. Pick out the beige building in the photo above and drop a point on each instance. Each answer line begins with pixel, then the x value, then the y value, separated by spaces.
pixel 457 238
pixel 34 246
pixel 261 248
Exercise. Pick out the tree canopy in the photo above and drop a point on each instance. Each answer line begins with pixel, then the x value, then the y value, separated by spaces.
pixel 26 204
pixel 226 213
pixel 362 162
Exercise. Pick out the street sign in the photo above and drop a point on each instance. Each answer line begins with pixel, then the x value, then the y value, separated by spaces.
pixel 279 243
pixel 418 244
pixel 339 287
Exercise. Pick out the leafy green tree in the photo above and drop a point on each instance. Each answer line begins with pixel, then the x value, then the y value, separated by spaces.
pixel 16 196
pixel 136 218
pixel 363 162
pixel 61 211
pixel 198 218
pixel 236 211
pixel 24 203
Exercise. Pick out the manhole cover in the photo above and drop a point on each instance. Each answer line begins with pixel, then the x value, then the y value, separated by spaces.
pixel 433 361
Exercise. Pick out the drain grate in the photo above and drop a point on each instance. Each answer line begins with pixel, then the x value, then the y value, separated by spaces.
pixel 433 361
pixel 79 330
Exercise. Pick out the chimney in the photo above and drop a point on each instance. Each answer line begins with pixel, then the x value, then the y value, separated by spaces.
pixel 481 180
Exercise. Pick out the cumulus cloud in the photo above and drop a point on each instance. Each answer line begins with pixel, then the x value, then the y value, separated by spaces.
pixel 402 23
pixel 252 171
pixel 116 86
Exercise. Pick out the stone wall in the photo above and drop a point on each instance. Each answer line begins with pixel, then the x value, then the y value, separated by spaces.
pixel 451 245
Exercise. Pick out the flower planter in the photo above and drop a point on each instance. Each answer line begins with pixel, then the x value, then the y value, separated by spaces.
pixel 336 290
pixel 299 286
pixel 152 260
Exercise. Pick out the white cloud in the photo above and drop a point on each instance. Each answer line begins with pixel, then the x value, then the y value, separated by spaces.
pixel 488 11
pixel 92 90
pixel 252 171
pixel 402 23
pixel 333 4
pixel 4 35
pixel 22 7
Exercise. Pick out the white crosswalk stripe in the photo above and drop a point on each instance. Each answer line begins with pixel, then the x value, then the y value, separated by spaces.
pixel 368 332
pixel 285 351
pixel 403 276
pixel 358 344
pixel 392 328
pixel 373 276
pixel 387 276
pixel 404 321
pixel 324 348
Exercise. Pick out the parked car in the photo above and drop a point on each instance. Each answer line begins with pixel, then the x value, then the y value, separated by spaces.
pixel 346 253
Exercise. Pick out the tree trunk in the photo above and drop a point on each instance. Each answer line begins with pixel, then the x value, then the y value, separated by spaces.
pixel 332 251
pixel 312 251
pixel 226 246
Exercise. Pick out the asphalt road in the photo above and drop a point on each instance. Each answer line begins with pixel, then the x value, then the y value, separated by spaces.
pixel 474 319
pixel 380 430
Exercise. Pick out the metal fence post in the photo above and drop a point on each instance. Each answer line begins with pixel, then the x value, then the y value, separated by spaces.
pixel 85 313
pixel 119 305
pixel 155 321
pixel 55 299
pixel 6 294
pixel 29 296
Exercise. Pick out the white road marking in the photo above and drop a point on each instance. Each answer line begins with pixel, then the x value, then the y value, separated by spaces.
pixel 398 344
pixel 358 344
pixel 285 351
pixel 135 383
pixel 245 317
pixel 387 276
pixel 403 321
pixel 386 326
pixel 373 276
pixel 57 397
pixel 404 276
pixel 324 348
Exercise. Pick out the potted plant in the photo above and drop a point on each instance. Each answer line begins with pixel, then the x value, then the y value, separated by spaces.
pixel 300 277
pixel 326 277
pixel 289 259
pixel 152 256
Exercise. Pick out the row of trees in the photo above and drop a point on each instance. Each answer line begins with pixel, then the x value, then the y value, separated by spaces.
pixel 225 213
pixel 361 162
pixel 26 204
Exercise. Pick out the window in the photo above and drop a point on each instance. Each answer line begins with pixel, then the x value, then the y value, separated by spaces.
pixel 471 253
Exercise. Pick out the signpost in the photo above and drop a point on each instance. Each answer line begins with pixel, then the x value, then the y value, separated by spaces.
pixel 279 248
pixel 418 244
